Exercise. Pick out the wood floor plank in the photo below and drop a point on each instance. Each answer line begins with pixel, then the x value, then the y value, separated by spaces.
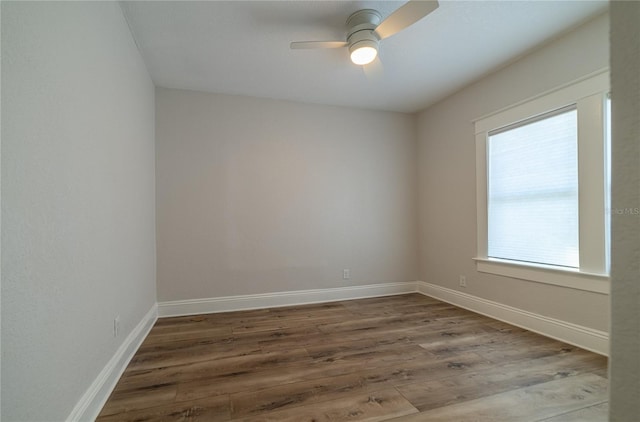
pixel 329 388
pixel 229 366
pixel 255 380
pixel 471 337
pixel 367 305
pixel 383 364
pixel 369 359
pixel 371 407
pixel 277 339
pixel 185 333
pixel 302 393
pixel 467 386
pixel 212 409
pixel 194 352
pixel 532 404
pixel 290 317
pixel 124 400
pixel 416 319
pixel 597 413
pixel 284 323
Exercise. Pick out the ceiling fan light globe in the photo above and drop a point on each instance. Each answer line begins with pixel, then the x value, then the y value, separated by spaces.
pixel 363 55
pixel 363 52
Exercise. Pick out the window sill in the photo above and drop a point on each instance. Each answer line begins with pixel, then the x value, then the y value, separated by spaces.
pixel 573 279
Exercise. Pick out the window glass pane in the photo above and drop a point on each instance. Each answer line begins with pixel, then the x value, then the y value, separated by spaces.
pixel 533 192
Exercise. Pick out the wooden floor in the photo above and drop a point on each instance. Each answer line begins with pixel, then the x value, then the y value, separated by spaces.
pixel 398 358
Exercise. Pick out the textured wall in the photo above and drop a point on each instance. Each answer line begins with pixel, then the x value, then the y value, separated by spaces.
pixel 78 209
pixel 447 176
pixel 625 201
pixel 260 196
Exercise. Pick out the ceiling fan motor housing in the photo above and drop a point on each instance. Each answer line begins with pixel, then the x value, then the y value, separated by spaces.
pixel 361 26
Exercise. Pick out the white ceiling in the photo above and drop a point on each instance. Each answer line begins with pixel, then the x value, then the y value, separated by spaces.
pixel 242 47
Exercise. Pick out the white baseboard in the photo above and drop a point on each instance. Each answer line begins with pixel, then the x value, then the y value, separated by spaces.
pixel 584 337
pixel 273 300
pixel 92 401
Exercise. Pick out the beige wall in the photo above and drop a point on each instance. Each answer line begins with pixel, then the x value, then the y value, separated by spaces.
pixel 260 196
pixel 447 190
pixel 625 271
pixel 78 214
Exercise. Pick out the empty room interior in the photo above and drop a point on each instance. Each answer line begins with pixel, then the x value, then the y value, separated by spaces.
pixel 320 211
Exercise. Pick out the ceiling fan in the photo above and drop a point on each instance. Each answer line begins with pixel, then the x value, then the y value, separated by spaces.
pixel 365 30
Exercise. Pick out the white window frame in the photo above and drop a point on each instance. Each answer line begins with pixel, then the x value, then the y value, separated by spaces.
pixel 589 95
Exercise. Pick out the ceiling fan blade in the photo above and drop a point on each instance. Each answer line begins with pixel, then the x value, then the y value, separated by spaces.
pixel 317 44
pixel 405 16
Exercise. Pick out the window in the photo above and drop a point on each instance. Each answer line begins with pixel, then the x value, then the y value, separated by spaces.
pixel 533 190
pixel 542 182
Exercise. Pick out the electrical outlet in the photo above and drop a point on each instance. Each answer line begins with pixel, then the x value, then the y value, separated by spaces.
pixel 346 274
pixel 116 326
pixel 463 281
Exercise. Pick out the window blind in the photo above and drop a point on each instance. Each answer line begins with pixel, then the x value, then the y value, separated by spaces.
pixel 533 190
